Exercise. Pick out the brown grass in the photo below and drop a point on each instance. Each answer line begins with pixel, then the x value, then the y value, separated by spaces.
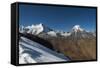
pixel 82 49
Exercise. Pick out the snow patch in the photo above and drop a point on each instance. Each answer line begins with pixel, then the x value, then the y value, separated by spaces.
pixel 65 34
pixel 52 33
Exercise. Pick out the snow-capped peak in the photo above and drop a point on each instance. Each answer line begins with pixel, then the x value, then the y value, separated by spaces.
pixel 35 29
pixel 77 28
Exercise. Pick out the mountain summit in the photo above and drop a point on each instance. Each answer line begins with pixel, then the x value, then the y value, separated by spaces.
pixel 77 28
pixel 78 32
pixel 35 29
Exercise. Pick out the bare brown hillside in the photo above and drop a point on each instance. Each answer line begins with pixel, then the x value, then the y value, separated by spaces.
pixel 82 49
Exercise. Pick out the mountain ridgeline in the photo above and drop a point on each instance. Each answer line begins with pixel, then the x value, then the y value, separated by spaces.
pixel 78 44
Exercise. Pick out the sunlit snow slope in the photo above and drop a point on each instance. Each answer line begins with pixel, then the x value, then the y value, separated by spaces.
pixel 33 52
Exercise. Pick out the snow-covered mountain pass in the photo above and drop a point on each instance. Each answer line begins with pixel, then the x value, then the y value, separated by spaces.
pixel 33 52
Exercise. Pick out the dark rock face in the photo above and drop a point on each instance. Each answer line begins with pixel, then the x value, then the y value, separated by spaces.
pixel 38 39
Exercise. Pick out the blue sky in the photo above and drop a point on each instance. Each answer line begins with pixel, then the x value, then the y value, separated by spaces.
pixel 58 18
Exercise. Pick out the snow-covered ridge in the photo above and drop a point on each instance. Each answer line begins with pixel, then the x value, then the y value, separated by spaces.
pixel 33 52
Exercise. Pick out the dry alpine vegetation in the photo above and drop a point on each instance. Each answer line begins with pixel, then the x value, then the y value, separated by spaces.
pixel 81 49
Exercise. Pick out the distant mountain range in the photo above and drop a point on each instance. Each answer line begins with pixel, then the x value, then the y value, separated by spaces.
pixel 41 29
